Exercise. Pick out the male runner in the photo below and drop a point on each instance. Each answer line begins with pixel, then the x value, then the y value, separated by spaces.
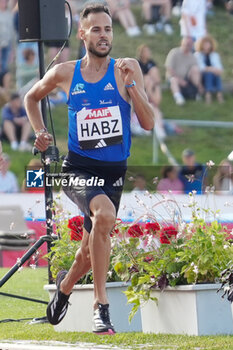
pixel 99 91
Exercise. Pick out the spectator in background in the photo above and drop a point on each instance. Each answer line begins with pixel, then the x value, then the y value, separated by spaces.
pixel 27 67
pixel 121 11
pixel 5 82
pixel 183 73
pixel 152 82
pixel 192 174
pixel 139 183
pixel 6 35
pixel 57 97
pixel 8 181
pixel 193 19
pixel 223 179
pixel 157 14
pixel 151 74
pixel 16 124
pixel 229 6
pixel 211 68
pixel 170 181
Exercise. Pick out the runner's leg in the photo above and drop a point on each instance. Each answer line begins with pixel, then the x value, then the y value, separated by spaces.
pixel 80 266
pixel 103 220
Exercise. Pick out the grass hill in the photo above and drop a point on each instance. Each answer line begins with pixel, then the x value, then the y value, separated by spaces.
pixel 209 143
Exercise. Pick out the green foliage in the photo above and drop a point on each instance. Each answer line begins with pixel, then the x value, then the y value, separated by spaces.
pixel 63 250
pixel 206 253
pixel 197 254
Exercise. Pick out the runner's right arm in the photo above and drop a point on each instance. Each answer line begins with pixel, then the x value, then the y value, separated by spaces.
pixel 55 77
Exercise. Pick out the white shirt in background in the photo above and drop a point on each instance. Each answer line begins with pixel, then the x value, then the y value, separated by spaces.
pixel 8 183
pixel 195 24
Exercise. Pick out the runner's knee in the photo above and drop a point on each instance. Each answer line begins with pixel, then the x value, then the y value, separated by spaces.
pixel 104 219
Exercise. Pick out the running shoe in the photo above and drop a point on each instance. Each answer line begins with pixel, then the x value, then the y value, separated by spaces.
pixel 57 308
pixel 101 320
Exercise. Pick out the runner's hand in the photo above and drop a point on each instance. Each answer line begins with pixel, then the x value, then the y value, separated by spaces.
pixel 127 69
pixel 43 140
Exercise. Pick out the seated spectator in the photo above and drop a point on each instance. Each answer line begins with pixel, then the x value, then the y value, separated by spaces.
pixel 211 68
pixel 6 35
pixel 5 81
pixel 16 124
pixel 157 14
pixel 152 81
pixel 57 97
pixel 8 181
pixel 223 179
pixel 229 6
pixel 193 19
pixel 27 67
pixel 183 72
pixel 192 174
pixel 121 11
pixel 139 183
pixel 170 181
pixel 151 74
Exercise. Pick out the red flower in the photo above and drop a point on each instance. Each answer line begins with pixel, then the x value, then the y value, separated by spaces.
pixel 148 259
pixel 152 226
pixel 135 231
pixel 76 226
pixel 166 233
pixel 115 231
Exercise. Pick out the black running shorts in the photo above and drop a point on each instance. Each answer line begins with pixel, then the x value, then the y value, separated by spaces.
pixel 88 178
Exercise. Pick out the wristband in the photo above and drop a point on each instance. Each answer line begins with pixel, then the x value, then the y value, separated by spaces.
pixel 41 131
pixel 131 85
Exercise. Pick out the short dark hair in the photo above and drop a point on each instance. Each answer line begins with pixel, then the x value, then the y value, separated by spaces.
pixel 14 96
pixel 166 170
pixel 94 8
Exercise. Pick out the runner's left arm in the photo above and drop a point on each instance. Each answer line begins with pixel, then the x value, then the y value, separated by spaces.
pixel 130 71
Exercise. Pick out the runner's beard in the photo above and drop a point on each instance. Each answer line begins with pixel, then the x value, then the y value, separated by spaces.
pixel 92 49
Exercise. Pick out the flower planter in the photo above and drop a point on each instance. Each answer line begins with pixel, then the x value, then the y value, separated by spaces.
pixel 191 310
pixel 80 312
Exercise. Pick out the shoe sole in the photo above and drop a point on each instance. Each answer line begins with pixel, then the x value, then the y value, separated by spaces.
pixel 108 332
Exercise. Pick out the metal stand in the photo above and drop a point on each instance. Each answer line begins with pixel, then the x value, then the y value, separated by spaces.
pixel 48 190
pixel 25 257
pixel 48 195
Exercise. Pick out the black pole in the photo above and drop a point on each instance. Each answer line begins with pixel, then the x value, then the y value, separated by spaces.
pixel 48 190
pixel 25 257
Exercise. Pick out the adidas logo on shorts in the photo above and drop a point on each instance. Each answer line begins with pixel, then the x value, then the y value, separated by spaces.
pixel 100 144
pixel 109 87
pixel 118 182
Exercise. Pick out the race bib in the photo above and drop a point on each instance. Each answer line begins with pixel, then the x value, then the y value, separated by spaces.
pixel 99 127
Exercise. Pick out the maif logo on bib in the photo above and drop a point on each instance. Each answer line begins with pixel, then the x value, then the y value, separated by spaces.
pixel 99 127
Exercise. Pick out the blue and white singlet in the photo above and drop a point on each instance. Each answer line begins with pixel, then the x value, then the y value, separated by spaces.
pixel 99 118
